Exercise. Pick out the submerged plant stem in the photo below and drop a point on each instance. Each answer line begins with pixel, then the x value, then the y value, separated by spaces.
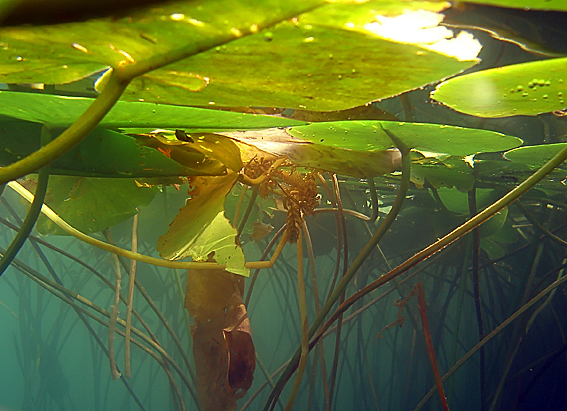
pixel 353 269
pixel 33 213
pixel 493 334
pixel 114 315
pixel 454 235
pixel 475 275
pixel 343 232
pixel 248 210
pixel 304 326
pixel 429 344
pixel 130 299
pixel 49 213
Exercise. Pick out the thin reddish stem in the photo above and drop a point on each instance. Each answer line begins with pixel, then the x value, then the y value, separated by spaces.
pixel 429 344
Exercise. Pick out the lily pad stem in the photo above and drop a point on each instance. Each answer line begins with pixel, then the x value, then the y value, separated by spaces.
pixel 33 214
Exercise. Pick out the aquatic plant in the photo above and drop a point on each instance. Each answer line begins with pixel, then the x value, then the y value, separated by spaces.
pixel 256 116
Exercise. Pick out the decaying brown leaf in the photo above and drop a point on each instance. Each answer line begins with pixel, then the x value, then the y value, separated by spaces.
pixel 223 349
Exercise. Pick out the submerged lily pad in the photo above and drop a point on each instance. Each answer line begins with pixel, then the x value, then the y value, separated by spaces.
pixel 520 89
pixel 93 204
pixel 201 231
pixel 451 172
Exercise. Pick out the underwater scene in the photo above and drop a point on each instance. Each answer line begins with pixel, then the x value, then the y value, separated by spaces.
pixel 319 205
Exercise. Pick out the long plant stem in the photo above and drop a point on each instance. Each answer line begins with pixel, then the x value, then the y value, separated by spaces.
pixel 353 269
pixel 130 299
pixel 254 276
pixel 429 345
pixel 540 226
pixel 493 334
pixel 454 235
pixel 49 213
pixel 304 325
pixel 343 231
pixel 417 258
pixel 374 199
pixel 547 301
pixel 251 204
pixel 77 310
pixel 476 293
pixel 139 318
pixel 241 198
pixel 33 213
pixel 52 286
pixel 114 314
pixel 316 300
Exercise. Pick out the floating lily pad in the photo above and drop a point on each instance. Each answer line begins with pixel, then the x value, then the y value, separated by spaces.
pixel 105 153
pixel 59 111
pixel 313 62
pixel 370 136
pixel 306 154
pixel 520 89
pixel 557 5
pixel 176 29
pixel 214 50
pixel 534 156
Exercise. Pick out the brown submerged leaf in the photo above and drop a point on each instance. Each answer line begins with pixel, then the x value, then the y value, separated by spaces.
pixel 241 351
pixel 225 357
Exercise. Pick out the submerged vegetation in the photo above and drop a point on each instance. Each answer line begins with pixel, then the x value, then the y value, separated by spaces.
pixel 245 200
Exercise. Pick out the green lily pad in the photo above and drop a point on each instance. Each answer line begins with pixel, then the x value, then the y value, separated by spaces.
pixel 493 249
pixel 508 174
pixel 214 51
pixel 170 32
pixel 369 136
pixel 534 156
pixel 507 234
pixel 520 89
pixel 452 172
pixel 303 153
pixel 59 111
pixel 93 204
pixel 557 5
pixel 457 201
pixel 312 63
pixel 200 228
pixel 106 153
